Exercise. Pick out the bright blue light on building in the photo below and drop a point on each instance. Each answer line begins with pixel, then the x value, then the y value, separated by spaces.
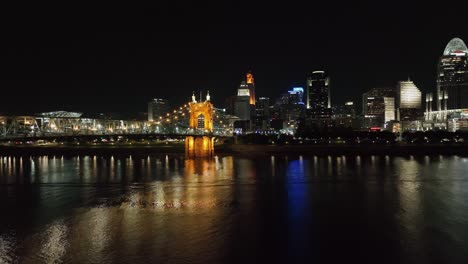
pixel 298 89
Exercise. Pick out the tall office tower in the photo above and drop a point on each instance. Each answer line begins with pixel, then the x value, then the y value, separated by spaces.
pixel 350 111
pixel 156 108
pixel 318 95
pixel 262 113
pixel 345 115
pixel 408 101
pixel 242 107
pixel 452 77
pixel 249 79
pixel 262 107
pixel 344 111
pixel 378 105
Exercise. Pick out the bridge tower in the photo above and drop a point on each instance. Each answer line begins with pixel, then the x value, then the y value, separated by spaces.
pixel 201 141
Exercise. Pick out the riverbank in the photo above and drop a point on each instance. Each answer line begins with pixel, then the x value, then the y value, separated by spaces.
pixel 242 149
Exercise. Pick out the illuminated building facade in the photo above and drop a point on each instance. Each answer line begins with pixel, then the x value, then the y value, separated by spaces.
pixel 296 95
pixel 451 96
pixel 378 106
pixel 251 86
pixel 452 77
pixel 389 108
pixel 156 108
pixel 242 107
pixel 409 100
pixel 318 95
pixel 429 102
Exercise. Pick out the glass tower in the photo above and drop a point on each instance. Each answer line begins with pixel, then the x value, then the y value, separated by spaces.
pixel 452 77
pixel 318 95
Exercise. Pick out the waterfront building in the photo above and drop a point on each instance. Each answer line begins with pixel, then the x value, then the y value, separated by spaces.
pixel 451 96
pixel 452 77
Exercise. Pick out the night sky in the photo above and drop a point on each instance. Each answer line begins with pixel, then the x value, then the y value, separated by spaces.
pixel 101 60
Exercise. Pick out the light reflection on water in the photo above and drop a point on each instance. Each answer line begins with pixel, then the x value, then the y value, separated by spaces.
pixel 93 209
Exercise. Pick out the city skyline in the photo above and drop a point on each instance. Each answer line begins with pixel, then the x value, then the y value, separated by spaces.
pixel 113 63
pixel 234 132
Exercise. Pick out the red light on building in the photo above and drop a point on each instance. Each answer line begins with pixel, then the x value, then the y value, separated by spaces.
pixel 375 129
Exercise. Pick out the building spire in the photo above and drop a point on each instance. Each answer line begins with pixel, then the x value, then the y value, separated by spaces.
pixel 193 97
pixel 208 96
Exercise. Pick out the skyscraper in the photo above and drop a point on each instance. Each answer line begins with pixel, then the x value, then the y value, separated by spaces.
pixel 262 113
pixel 262 107
pixel 451 96
pixel 452 77
pixel 242 107
pixel 318 95
pixel 249 79
pixel 156 108
pixel 408 101
pixel 378 105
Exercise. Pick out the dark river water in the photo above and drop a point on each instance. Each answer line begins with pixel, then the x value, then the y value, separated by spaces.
pixel 273 209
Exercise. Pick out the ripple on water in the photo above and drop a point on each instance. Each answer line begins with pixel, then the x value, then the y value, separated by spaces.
pixel 7 248
pixel 54 243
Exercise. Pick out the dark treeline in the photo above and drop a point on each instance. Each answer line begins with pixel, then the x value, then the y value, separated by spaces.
pixel 336 137
pixel 356 137
pixel 439 136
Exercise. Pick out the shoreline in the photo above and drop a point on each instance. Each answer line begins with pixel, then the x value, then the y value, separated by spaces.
pixel 244 150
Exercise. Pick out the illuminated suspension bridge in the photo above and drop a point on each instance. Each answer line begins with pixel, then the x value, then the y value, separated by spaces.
pixel 59 124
